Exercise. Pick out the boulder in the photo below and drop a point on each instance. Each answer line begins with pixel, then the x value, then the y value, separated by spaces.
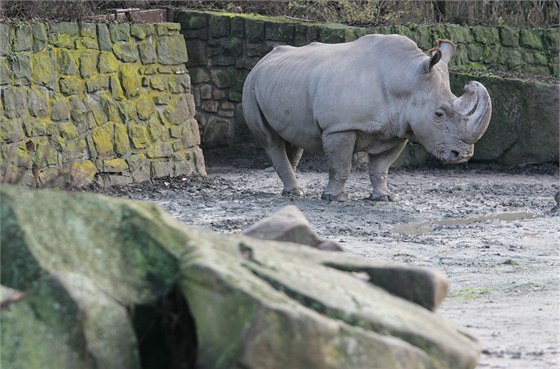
pixel 289 225
pixel 83 263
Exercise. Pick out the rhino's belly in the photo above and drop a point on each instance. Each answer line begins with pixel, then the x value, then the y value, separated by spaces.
pixel 299 129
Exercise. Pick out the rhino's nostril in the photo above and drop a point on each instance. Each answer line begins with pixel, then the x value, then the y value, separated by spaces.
pixel 455 155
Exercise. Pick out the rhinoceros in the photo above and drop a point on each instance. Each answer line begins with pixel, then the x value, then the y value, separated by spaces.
pixel 369 95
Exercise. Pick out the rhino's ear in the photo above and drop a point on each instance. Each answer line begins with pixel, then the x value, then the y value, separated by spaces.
pixel 447 49
pixel 435 56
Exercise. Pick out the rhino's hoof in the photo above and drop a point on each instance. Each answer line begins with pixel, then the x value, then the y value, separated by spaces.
pixel 386 198
pixel 295 192
pixel 341 197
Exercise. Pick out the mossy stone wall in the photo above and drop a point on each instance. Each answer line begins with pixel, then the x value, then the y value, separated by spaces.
pixel 84 101
pixel 223 47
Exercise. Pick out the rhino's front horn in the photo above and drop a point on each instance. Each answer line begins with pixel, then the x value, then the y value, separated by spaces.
pixel 475 105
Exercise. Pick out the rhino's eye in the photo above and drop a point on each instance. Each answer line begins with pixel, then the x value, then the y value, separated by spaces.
pixel 438 115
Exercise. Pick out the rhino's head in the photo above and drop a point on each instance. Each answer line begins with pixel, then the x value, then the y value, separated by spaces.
pixel 446 125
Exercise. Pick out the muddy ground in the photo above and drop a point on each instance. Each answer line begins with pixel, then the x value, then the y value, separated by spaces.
pixel 488 228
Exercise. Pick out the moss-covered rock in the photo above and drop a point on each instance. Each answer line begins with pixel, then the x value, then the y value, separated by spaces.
pixel 71 85
pixel 6 35
pixel 44 70
pixel 23 39
pixel 107 63
pixel 138 135
pixel 122 142
pixel 98 82
pixel 67 62
pixel 102 137
pixel 126 52
pixel 83 173
pixel 145 108
pixel 88 64
pixel 104 37
pixel 147 52
pixel 60 109
pixel 40 38
pixel 14 100
pixel 130 80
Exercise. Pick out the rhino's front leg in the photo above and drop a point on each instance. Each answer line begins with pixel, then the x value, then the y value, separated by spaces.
pixel 378 171
pixel 338 149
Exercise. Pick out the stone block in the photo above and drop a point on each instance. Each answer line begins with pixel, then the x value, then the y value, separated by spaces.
pixel 98 82
pixel 279 31
pixel 332 34
pixel 103 37
pixel 192 20
pixel 107 63
pixel 223 77
pixel 38 102
pixel 5 71
pixel 67 28
pixel 21 67
pixel 159 150
pixel 119 32
pixel 68 130
pixel 102 137
pixel 196 53
pixel 61 40
pixel 254 30
pixel 135 161
pixel 216 133
pixel 171 50
pixel 531 39
pixel 71 85
pixel 486 35
pixel 83 173
pixel 238 27
pixel 138 135
pixel 218 26
pixel 115 165
pixel 115 87
pixel 159 82
pixel 44 70
pixel 121 140
pixel 40 38
pixel 147 52
pixel 126 52
pixel 509 36
pixel 88 30
pixel 551 40
pixel 180 84
pixel 88 65
pixel 199 75
pixel 14 100
pixel 145 108
pixel 137 30
pixel 67 62
pixel 161 169
pixel 78 112
pixel 23 39
pixel 60 109
pixel 130 80
pixel 5 39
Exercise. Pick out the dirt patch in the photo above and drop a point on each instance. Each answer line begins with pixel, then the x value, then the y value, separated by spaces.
pixel 489 229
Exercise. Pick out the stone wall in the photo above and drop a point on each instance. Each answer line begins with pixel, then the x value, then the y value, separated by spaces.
pixel 87 101
pixel 224 47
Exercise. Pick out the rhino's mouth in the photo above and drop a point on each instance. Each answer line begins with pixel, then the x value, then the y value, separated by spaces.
pixel 455 157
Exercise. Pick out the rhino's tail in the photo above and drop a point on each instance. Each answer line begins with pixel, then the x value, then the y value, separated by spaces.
pixel 253 114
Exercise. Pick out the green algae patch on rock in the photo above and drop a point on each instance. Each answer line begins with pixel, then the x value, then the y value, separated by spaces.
pixel 66 321
pixel 139 270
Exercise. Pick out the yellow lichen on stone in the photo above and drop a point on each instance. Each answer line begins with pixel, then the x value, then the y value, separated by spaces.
pixel 130 80
pixel 102 137
pixel 83 173
pixel 122 144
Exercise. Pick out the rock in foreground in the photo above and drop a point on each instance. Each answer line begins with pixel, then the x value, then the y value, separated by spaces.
pixel 83 262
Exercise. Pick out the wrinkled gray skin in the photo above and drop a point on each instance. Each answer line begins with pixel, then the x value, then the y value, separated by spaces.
pixel 370 95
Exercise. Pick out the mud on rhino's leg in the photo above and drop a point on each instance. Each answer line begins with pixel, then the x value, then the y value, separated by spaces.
pixel 276 149
pixel 338 148
pixel 294 154
pixel 378 171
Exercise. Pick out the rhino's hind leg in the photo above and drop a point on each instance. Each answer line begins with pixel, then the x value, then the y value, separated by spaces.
pixel 294 154
pixel 378 171
pixel 276 149
pixel 338 148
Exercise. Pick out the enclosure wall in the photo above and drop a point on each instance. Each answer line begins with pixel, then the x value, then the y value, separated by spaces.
pixel 85 101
